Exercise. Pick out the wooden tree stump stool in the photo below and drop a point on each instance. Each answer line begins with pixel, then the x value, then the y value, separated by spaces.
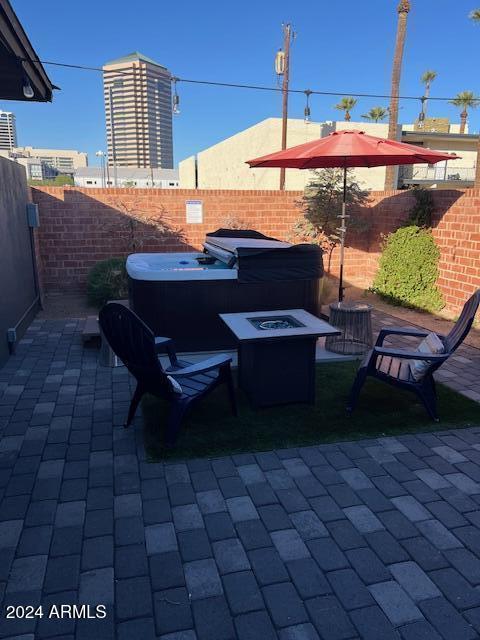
pixel 354 320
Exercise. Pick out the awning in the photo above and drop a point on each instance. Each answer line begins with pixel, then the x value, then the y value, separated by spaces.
pixel 19 66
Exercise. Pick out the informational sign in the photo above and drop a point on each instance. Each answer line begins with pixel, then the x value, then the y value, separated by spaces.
pixel 194 211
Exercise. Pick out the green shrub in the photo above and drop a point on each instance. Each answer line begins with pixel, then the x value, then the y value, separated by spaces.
pixel 408 269
pixel 107 280
pixel 422 211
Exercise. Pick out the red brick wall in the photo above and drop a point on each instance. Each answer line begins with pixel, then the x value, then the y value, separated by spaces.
pixel 81 226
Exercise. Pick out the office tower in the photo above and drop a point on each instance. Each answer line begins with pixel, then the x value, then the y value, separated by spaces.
pixel 138 109
pixel 8 130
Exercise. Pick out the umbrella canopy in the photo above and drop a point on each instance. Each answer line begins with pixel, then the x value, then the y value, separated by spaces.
pixel 345 149
pixel 350 149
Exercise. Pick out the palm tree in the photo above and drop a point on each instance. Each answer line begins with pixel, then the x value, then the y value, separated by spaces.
pixel 427 78
pixel 346 104
pixel 402 10
pixel 465 100
pixel 475 16
pixel 376 114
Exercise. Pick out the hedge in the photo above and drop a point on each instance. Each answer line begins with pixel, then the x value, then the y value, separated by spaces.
pixel 107 280
pixel 408 269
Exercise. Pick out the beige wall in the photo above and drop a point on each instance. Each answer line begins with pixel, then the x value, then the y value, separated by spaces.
pixel 187 173
pixel 467 149
pixel 223 166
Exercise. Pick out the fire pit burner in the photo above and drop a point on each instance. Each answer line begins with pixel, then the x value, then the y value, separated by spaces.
pixel 275 322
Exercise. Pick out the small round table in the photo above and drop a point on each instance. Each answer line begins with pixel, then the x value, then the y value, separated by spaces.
pixel 354 320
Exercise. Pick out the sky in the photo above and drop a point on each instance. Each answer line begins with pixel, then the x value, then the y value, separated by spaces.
pixel 340 46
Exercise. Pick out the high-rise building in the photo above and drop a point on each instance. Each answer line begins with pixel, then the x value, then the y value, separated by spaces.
pixel 8 130
pixel 138 110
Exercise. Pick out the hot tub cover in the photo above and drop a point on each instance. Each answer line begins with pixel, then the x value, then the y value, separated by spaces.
pixel 259 257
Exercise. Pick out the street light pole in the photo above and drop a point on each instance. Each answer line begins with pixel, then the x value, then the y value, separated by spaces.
pixel 287 36
pixel 112 133
pixel 101 155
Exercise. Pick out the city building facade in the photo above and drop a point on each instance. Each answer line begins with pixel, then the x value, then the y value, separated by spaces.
pixel 138 112
pixel 449 174
pixel 127 177
pixel 45 164
pixel 223 165
pixel 8 131
pixel 61 160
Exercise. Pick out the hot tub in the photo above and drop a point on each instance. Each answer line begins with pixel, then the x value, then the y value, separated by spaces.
pixel 178 297
pixel 168 267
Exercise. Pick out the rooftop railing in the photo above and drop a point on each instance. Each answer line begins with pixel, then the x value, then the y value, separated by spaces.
pixel 435 173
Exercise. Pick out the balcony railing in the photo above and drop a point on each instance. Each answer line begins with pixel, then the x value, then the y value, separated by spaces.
pixel 454 173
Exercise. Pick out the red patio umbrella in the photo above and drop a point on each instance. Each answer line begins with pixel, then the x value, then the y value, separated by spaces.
pixel 345 149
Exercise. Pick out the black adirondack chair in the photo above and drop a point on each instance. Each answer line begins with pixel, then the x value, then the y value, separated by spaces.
pixel 137 347
pixel 392 365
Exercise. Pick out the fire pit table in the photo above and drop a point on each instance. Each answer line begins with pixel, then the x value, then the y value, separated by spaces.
pixel 276 354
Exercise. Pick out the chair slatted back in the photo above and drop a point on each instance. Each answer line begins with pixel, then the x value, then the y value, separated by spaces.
pixel 464 323
pixel 134 343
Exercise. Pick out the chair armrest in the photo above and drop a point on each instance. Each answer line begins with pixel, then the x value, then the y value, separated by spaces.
pixel 161 342
pixel 400 331
pixel 409 355
pixel 201 367
pixel 166 345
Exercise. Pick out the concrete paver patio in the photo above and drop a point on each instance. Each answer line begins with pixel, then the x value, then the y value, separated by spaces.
pixel 377 539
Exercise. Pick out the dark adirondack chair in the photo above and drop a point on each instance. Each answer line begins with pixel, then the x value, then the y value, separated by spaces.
pixel 393 365
pixel 137 347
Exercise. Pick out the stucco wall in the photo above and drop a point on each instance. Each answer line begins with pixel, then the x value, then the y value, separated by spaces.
pixel 223 166
pixel 187 171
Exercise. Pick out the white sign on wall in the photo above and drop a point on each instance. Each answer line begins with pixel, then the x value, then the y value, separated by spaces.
pixel 194 211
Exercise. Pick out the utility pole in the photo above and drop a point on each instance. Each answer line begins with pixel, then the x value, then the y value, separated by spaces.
pixel 101 154
pixel 112 137
pixel 287 37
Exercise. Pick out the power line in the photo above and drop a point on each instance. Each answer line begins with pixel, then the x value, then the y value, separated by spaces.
pixel 76 66
pixel 302 91
pixel 254 87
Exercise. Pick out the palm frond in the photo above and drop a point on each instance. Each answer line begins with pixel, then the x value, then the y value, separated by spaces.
pixel 346 104
pixel 376 114
pixel 466 100
pixel 428 77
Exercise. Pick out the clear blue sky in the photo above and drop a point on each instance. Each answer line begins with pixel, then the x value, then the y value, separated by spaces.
pixel 345 46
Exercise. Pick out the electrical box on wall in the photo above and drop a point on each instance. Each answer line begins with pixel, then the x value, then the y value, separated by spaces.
pixel 32 215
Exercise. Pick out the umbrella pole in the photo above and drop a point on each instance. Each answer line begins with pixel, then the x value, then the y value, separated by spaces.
pixel 343 230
